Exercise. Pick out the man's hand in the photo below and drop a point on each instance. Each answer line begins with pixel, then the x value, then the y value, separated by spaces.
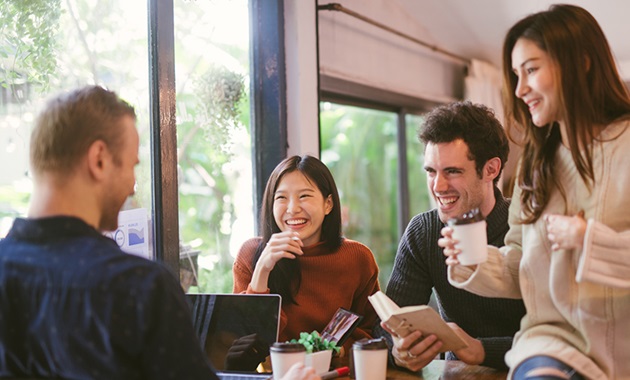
pixel 474 354
pixel 414 351
pixel 246 353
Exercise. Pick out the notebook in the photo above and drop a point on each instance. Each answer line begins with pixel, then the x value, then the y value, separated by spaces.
pixel 226 320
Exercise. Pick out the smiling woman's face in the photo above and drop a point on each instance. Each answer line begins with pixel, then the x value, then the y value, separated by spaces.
pixel 299 206
pixel 536 82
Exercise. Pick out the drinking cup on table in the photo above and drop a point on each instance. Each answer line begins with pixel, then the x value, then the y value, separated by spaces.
pixel 469 230
pixel 370 359
pixel 284 355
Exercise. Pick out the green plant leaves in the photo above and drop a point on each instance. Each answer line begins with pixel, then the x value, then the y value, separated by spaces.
pixel 313 342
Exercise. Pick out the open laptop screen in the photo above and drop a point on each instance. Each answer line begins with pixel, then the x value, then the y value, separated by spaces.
pixel 225 320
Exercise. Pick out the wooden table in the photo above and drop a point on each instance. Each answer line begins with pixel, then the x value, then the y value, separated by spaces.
pixel 446 370
pixel 449 370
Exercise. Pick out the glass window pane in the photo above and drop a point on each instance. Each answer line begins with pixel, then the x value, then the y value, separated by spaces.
pixel 359 146
pixel 51 46
pixel 419 197
pixel 214 145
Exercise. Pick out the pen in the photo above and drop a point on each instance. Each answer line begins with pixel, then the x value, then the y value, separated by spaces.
pixel 341 371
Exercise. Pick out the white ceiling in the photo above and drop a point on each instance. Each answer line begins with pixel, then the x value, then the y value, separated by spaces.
pixel 476 28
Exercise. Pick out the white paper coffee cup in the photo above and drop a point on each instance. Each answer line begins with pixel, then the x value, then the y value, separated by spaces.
pixel 472 242
pixel 370 359
pixel 283 356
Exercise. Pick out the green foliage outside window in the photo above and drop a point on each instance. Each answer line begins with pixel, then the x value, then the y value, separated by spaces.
pixel 360 147
pixel 28 41
pixel 214 146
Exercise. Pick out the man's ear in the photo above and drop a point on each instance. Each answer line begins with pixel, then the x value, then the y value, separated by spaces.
pixel 98 159
pixel 492 168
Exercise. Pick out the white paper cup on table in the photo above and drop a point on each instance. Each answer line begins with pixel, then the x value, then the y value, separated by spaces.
pixel 284 355
pixel 470 231
pixel 369 359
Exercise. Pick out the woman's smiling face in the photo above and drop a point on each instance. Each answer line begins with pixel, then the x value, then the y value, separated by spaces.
pixel 536 82
pixel 299 205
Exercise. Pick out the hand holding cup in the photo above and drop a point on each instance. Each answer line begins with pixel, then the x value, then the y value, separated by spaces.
pixel 465 239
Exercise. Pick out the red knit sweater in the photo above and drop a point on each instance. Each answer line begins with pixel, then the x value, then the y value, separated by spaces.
pixel 330 280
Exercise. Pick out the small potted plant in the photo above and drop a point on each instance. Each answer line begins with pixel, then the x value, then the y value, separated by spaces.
pixel 318 350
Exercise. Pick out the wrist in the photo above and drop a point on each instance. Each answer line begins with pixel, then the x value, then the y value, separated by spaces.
pixel 260 280
pixel 480 352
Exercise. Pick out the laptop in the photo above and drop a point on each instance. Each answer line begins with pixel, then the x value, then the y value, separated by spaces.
pixel 226 322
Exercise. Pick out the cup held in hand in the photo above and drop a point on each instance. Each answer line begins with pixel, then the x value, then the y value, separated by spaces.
pixel 469 230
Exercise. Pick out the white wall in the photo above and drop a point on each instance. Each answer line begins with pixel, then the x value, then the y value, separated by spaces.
pixel 624 70
pixel 301 65
pixel 357 51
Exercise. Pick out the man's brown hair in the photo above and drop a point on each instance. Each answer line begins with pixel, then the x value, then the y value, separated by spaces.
pixel 71 122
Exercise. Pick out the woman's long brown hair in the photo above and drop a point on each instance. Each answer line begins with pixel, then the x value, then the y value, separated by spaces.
pixel 590 92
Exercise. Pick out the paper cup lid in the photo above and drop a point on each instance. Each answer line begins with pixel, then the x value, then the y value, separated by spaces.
pixel 370 344
pixel 287 347
pixel 469 217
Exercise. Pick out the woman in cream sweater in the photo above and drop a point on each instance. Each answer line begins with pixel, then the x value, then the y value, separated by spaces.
pixel 566 251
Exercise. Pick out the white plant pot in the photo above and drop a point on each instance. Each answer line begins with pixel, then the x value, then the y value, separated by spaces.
pixel 319 360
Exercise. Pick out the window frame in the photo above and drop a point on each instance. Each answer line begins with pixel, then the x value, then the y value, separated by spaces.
pixel 268 113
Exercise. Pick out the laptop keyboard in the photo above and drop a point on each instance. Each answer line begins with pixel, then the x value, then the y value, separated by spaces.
pixel 244 376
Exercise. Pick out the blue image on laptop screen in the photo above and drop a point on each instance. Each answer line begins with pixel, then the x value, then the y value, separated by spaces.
pixel 236 330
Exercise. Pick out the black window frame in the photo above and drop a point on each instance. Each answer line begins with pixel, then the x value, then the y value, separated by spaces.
pixel 269 124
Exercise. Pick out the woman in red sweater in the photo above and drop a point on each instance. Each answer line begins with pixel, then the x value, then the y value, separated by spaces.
pixel 303 256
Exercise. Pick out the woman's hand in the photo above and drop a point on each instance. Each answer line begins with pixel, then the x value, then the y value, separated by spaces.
pixel 448 244
pixel 283 245
pixel 565 232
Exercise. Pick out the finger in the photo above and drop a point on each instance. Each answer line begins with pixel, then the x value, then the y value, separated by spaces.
pixel 284 236
pixel 286 255
pixel 386 328
pixel 447 242
pixel 296 238
pixel 421 345
pixel 401 358
pixel 285 241
pixel 261 346
pixel 405 343
pixel 452 261
pixel 453 251
pixel 446 232
pixel 284 245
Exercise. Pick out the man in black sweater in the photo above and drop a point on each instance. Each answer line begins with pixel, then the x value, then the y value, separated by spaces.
pixel 465 151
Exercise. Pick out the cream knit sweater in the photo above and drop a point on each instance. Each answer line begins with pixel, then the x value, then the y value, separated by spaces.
pixel 578 302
